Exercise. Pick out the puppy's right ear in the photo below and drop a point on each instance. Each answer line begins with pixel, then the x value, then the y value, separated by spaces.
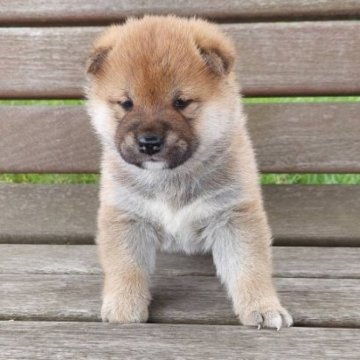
pixel 101 49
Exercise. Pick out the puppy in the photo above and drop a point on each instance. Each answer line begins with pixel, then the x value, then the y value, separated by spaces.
pixel 178 168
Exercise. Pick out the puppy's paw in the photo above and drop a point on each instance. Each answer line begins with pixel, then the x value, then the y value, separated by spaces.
pixel 266 316
pixel 124 309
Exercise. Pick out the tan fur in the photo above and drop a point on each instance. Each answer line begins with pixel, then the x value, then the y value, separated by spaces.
pixel 201 192
pixel 173 45
pixel 126 289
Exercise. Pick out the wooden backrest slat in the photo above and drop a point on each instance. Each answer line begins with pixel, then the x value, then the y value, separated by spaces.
pixel 94 11
pixel 287 138
pixel 300 58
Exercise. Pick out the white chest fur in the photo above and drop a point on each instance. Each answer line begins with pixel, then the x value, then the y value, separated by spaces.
pixel 179 224
pixel 177 220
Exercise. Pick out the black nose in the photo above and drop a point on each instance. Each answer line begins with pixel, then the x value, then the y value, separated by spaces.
pixel 150 143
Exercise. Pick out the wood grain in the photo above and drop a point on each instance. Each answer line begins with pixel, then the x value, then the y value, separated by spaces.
pixel 68 341
pixel 305 262
pixel 314 215
pixel 107 11
pixel 48 213
pixel 176 299
pixel 282 58
pixel 306 137
pixel 299 215
pixel 47 139
pixel 287 138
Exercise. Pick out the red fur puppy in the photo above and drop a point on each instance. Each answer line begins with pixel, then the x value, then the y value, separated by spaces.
pixel 178 168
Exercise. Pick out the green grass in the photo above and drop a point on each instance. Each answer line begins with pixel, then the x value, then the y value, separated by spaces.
pixel 49 178
pixel 247 100
pixel 307 179
pixel 311 179
pixel 301 100
pixel 69 102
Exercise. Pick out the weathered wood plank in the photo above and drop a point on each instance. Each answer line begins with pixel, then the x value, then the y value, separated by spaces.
pixel 176 299
pixel 78 12
pixel 306 137
pixel 299 215
pixel 306 262
pixel 47 139
pixel 43 213
pixel 287 138
pixel 274 59
pixel 68 341
pixel 314 215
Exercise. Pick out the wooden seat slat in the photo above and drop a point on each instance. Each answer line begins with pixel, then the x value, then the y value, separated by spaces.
pixel 287 138
pixel 176 299
pixel 163 341
pixel 282 58
pixel 299 215
pixel 289 261
pixel 93 11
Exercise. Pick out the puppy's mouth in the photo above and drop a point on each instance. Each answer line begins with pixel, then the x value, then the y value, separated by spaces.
pixel 153 164
pixel 155 154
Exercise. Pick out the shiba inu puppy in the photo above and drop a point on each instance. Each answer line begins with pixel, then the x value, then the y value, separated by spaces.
pixel 178 168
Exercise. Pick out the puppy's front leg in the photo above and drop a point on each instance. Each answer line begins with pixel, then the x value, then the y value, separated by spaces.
pixel 242 256
pixel 127 253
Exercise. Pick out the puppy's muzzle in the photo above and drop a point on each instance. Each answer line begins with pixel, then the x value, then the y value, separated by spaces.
pixel 149 143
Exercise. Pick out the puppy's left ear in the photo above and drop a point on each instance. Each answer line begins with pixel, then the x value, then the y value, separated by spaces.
pixel 216 49
pixel 101 49
pixel 220 62
pixel 96 60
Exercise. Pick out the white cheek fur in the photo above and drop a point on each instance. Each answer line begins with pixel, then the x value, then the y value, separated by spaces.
pixel 101 120
pixel 216 121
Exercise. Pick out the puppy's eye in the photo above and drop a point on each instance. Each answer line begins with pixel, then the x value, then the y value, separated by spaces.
pixel 181 104
pixel 127 105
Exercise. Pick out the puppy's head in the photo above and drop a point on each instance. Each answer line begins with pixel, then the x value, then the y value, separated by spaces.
pixel 161 90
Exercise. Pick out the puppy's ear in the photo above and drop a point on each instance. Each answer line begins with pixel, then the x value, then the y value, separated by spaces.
pixel 101 49
pixel 218 61
pixel 217 50
pixel 96 60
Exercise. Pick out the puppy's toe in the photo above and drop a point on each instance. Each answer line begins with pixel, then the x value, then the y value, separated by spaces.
pixel 275 318
pixel 287 319
pixel 124 311
pixel 272 320
pixel 254 319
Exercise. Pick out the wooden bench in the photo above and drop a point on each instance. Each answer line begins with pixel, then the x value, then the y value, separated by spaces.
pixel 51 288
